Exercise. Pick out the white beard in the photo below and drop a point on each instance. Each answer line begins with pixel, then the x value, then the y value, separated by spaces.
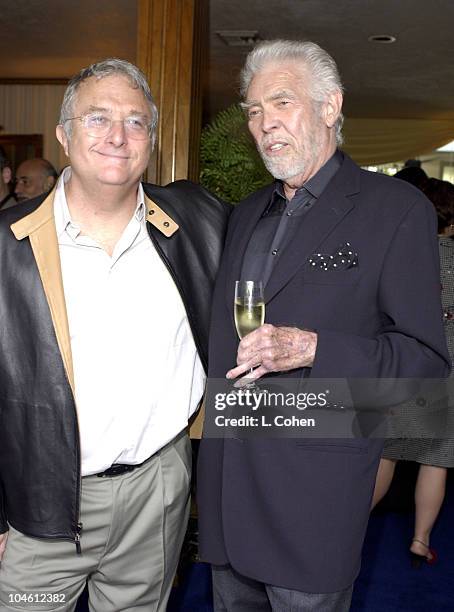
pixel 288 166
pixel 282 168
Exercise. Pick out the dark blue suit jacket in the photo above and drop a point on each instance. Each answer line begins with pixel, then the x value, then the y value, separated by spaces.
pixel 293 513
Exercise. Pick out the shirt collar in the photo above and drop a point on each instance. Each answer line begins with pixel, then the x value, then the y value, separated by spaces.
pixel 63 221
pixel 317 183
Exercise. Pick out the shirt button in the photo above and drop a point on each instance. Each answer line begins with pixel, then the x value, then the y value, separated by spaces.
pixel 274 252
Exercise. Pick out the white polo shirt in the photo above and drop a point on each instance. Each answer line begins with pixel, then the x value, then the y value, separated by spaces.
pixel 138 377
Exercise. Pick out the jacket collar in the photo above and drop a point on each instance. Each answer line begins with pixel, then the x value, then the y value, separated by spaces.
pixel 39 227
pixel 330 209
pixel 44 213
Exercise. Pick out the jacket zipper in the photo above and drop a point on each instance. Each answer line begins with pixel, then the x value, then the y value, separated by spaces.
pixel 79 493
pixel 77 538
pixel 78 524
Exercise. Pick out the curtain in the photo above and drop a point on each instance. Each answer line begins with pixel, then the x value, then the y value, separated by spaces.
pixel 34 109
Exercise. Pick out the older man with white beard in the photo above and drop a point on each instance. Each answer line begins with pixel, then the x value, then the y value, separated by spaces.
pixel 282 521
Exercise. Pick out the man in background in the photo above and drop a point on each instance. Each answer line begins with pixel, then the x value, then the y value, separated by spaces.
pixel 7 199
pixel 34 177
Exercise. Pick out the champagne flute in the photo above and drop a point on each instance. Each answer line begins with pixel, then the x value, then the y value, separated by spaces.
pixel 249 308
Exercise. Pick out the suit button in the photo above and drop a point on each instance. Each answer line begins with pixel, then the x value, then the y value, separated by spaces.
pixel 274 252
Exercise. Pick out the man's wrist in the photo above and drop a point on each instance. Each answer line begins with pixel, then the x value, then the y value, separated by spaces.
pixel 309 347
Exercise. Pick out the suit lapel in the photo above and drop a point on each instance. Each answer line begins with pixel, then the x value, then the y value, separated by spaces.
pixel 39 227
pixel 245 226
pixel 330 209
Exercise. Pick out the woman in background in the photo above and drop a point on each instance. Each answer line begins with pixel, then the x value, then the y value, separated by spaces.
pixel 433 455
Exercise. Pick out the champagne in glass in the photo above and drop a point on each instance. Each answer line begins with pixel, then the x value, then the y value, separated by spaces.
pixel 249 311
pixel 249 306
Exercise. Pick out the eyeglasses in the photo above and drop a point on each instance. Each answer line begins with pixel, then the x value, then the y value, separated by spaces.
pixel 99 125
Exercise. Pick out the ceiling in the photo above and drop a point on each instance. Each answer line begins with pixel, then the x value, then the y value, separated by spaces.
pixel 411 78
pixel 56 38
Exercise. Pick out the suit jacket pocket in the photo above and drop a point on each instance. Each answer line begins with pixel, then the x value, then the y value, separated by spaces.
pixel 355 446
pixel 349 276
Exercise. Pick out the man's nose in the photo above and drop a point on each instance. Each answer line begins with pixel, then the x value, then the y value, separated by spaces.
pixel 117 133
pixel 270 120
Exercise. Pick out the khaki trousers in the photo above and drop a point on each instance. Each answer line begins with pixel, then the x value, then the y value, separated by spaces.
pixel 133 529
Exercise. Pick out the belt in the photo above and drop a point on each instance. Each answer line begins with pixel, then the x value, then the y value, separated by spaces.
pixel 116 469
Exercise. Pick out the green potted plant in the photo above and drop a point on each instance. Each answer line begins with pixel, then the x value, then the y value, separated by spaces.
pixel 230 164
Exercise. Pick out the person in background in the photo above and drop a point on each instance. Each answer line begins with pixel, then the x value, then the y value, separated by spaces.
pixel 434 456
pixel 34 177
pixel 105 298
pixel 7 199
pixel 414 175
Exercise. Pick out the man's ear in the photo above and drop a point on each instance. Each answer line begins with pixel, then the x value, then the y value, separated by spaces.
pixel 7 175
pixel 62 139
pixel 332 108
pixel 49 183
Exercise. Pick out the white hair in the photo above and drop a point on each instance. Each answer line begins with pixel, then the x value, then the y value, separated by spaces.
pixel 100 70
pixel 325 78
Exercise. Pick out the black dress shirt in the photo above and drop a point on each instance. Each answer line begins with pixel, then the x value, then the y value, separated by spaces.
pixel 280 220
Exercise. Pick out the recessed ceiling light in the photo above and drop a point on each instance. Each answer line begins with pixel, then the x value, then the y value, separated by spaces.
pixel 239 38
pixel 384 39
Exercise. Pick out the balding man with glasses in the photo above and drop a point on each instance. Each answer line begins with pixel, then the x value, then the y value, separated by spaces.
pixel 105 297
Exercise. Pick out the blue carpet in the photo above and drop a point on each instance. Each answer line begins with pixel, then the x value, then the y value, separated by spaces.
pixel 194 593
pixel 387 582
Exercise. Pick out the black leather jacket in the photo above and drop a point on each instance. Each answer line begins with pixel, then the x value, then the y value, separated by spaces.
pixel 39 438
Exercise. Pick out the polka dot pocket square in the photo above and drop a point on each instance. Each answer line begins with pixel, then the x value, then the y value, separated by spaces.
pixel 342 258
